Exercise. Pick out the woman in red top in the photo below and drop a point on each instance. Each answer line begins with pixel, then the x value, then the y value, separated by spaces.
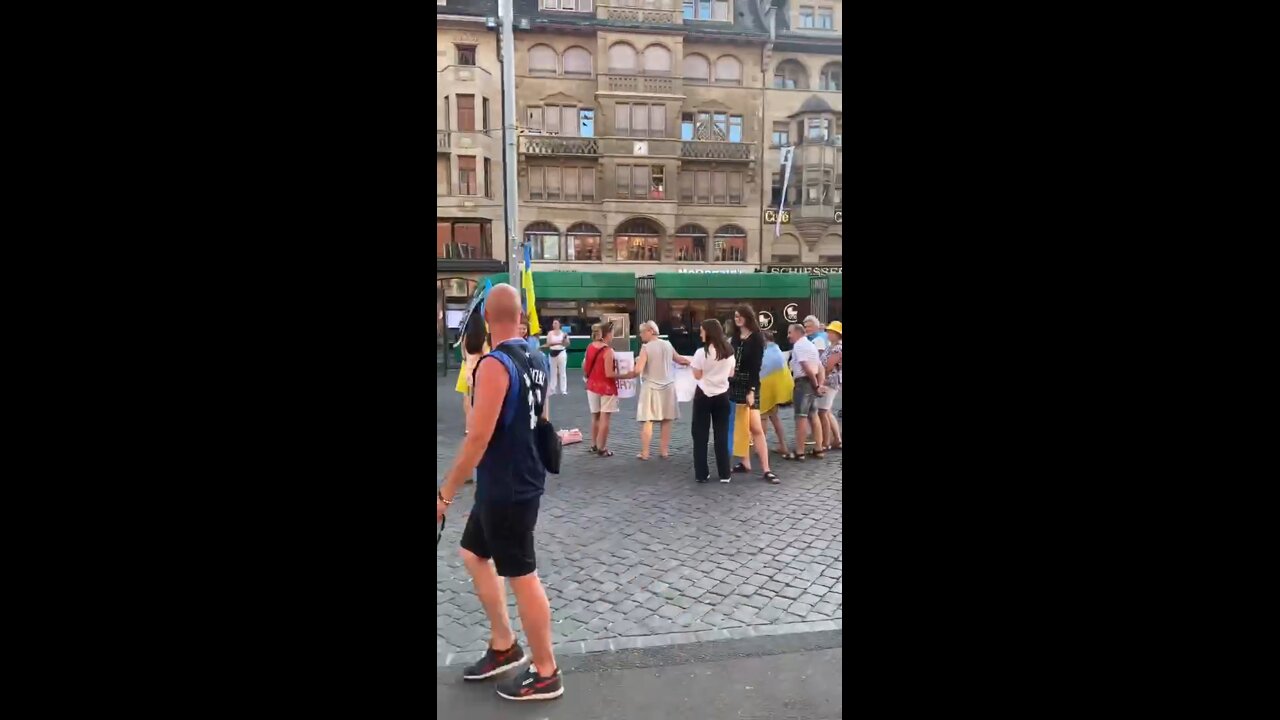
pixel 600 368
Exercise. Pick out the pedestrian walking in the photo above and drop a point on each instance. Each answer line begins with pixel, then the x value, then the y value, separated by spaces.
pixel 557 344
pixel 832 360
pixel 600 368
pixel 475 343
pixel 776 388
pixel 748 355
pixel 712 368
pixel 807 371
pixel 497 541
pixel 657 401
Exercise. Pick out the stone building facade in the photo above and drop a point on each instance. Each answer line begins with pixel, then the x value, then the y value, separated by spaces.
pixel 470 228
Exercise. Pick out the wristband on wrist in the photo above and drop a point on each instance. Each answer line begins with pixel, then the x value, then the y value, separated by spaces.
pixel 440 497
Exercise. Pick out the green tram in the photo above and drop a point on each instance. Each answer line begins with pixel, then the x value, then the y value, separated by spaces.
pixel 678 302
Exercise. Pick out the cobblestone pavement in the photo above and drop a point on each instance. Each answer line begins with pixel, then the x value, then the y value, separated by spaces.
pixel 635 553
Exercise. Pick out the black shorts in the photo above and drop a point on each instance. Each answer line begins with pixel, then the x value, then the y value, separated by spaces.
pixel 503 532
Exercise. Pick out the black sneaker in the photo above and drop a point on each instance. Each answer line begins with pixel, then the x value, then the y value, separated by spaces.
pixel 494 662
pixel 529 685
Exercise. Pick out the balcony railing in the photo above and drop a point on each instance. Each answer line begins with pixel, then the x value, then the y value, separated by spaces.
pixel 641 84
pixel 552 145
pixel 442 141
pixel 664 12
pixel 716 150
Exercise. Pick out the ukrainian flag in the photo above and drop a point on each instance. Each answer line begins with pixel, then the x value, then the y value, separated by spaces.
pixel 526 280
pixel 776 386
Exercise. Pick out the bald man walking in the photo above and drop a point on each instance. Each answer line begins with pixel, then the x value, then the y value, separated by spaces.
pixel 497 542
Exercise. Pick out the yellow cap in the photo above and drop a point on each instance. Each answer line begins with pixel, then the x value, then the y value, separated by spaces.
pixel 836 327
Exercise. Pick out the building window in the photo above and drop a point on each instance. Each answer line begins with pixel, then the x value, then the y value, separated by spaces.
pixel 567 5
pixel 705 10
pixel 577 61
pixel 542 60
pixel 565 184
pixel 583 242
pixel 781 134
pixel 657 183
pixel 790 75
pixel 466 54
pixel 463 239
pixel 719 188
pixel 710 126
pixel 705 187
pixel 442 176
pixel 696 67
pixel 467 113
pixel 557 120
pixel 638 240
pixel 640 120
pixel 730 244
pixel 818 129
pixel 467 175
pixel 642 182
pixel 657 60
pixel 735 188
pixel 622 58
pixel 826 19
pixel 830 79
pixel 587 122
pixel 543 240
pixel 728 70
pixel 488 179
pixel 691 244
pixel 484 117
pixel 806 16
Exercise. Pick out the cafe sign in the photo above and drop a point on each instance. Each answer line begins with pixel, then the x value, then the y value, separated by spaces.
pixel 807 269
pixel 771 217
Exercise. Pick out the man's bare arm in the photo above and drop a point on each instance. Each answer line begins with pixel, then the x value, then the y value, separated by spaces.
pixel 492 384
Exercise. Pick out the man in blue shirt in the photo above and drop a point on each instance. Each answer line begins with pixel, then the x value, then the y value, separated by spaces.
pixel 497 543
pixel 813 330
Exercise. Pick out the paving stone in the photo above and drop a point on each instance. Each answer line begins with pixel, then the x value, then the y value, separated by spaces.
pixel 616 547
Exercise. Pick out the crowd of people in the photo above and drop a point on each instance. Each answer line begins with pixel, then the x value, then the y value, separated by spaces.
pixel 507 380
pixel 740 380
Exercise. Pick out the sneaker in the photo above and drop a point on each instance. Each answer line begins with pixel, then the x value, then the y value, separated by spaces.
pixel 724 480
pixel 529 685
pixel 494 662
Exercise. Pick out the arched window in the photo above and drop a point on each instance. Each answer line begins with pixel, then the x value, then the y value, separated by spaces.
pixel 696 67
pixel 543 240
pixel 730 244
pixel 691 243
pixel 577 61
pixel 728 70
pixel 831 78
pixel 542 60
pixel 638 240
pixel 657 60
pixel 790 75
pixel 786 249
pixel 622 58
pixel 583 242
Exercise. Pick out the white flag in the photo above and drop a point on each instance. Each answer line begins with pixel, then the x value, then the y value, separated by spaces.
pixel 786 180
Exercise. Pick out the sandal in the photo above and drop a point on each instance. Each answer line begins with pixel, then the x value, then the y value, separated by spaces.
pixel 819 455
pixel 605 453
pixel 773 479
pixel 665 457
pixel 837 446
pixel 740 468
pixel 793 457
pixel 593 449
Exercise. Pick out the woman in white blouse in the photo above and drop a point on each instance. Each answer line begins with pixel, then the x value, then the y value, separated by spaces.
pixel 557 344
pixel 712 367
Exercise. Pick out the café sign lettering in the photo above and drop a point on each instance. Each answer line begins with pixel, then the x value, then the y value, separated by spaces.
pixel 807 269
pixel 771 216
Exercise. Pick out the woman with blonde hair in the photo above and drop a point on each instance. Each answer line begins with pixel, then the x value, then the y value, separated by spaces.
pixel 657 389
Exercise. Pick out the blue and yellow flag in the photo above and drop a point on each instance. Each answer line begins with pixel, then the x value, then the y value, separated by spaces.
pixel 531 307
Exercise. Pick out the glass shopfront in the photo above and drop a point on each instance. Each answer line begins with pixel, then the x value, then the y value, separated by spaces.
pixel 680 319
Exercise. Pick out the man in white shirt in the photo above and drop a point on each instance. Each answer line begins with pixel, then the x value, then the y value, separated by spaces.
pixel 807 372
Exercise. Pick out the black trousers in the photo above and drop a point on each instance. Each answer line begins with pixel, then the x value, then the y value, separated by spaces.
pixel 709 411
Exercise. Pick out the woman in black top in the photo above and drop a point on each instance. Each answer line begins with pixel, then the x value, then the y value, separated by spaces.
pixel 748 348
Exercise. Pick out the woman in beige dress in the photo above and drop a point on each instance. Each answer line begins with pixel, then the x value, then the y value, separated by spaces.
pixel 657 389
